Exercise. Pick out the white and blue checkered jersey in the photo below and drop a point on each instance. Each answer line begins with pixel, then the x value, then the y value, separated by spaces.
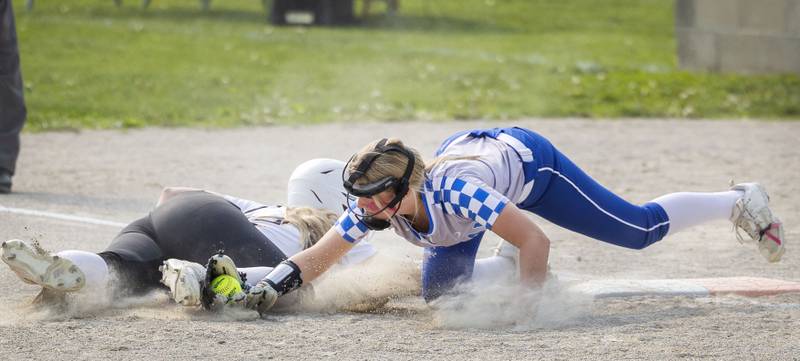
pixel 462 197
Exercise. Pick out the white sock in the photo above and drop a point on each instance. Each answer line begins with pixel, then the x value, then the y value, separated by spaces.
pixel 687 209
pixel 94 268
pixel 254 274
pixel 492 269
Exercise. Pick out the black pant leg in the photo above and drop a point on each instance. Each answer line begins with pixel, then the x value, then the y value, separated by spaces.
pixel 12 103
pixel 134 257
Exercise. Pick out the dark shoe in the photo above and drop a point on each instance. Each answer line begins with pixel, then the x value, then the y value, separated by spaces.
pixel 5 181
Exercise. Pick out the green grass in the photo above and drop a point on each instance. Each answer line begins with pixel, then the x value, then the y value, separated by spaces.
pixel 89 64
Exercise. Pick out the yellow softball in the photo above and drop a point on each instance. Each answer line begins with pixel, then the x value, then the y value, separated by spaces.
pixel 225 285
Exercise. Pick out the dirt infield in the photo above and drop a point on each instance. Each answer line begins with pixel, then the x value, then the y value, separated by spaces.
pixel 116 176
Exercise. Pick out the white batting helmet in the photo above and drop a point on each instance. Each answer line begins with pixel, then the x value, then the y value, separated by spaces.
pixel 317 183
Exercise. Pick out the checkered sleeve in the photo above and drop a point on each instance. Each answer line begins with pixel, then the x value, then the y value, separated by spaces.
pixel 479 203
pixel 350 227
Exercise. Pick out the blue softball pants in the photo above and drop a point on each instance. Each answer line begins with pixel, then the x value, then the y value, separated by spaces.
pixel 563 194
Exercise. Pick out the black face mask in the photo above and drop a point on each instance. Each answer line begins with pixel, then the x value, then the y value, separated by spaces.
pixel 399 185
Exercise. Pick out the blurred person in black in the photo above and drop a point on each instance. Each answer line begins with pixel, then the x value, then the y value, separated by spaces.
pixel 12 103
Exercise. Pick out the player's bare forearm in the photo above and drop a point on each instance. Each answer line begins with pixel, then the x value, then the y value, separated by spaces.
pixel 318 258
pixel 533 256
pixel 534 246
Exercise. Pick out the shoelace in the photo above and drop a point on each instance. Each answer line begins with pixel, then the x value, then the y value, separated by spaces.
pixel 741 223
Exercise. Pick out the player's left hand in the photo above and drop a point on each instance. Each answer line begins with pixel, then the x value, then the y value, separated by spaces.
pixel 261 297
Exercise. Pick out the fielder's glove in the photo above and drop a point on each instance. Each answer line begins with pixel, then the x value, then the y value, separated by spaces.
pixel 217 265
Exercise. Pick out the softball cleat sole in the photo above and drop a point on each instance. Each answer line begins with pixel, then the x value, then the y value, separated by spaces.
pixel 40 268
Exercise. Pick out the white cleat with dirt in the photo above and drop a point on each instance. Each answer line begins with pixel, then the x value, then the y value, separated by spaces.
pixel 183 278
pixel 752 215
pixel 36 266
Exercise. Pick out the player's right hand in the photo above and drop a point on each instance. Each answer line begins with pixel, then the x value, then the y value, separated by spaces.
pixel 261 297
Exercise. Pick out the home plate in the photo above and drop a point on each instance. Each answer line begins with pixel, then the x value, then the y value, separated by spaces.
pixel 696 287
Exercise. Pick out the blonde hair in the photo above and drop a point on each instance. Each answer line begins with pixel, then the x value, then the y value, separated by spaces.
pixel 393 164
pixel 446 158
pixel 389 164
pixel 312 223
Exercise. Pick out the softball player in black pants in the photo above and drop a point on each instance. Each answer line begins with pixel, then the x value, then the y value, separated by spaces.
pixel 187 227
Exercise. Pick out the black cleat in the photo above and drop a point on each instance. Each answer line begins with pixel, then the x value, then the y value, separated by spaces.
pixel 5 181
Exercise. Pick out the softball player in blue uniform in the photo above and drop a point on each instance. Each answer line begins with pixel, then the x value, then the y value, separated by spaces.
pixel 483 180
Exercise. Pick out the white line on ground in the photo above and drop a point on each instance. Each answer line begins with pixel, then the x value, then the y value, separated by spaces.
pixel 60 216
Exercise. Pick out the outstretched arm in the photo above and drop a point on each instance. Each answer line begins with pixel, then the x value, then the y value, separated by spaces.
pixel 534 246
pixel 475 200
pixel 318 258
pixel 302 268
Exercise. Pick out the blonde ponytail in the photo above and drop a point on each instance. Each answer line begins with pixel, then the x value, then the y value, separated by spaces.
pixel 312 223
pixel 446 158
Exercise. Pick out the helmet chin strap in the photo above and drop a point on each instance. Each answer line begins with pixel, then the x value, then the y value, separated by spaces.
pixel 371 221
pixel 376 224
pixel 400 185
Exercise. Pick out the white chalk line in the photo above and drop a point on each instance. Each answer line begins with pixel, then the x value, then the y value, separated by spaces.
pixel 61 216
